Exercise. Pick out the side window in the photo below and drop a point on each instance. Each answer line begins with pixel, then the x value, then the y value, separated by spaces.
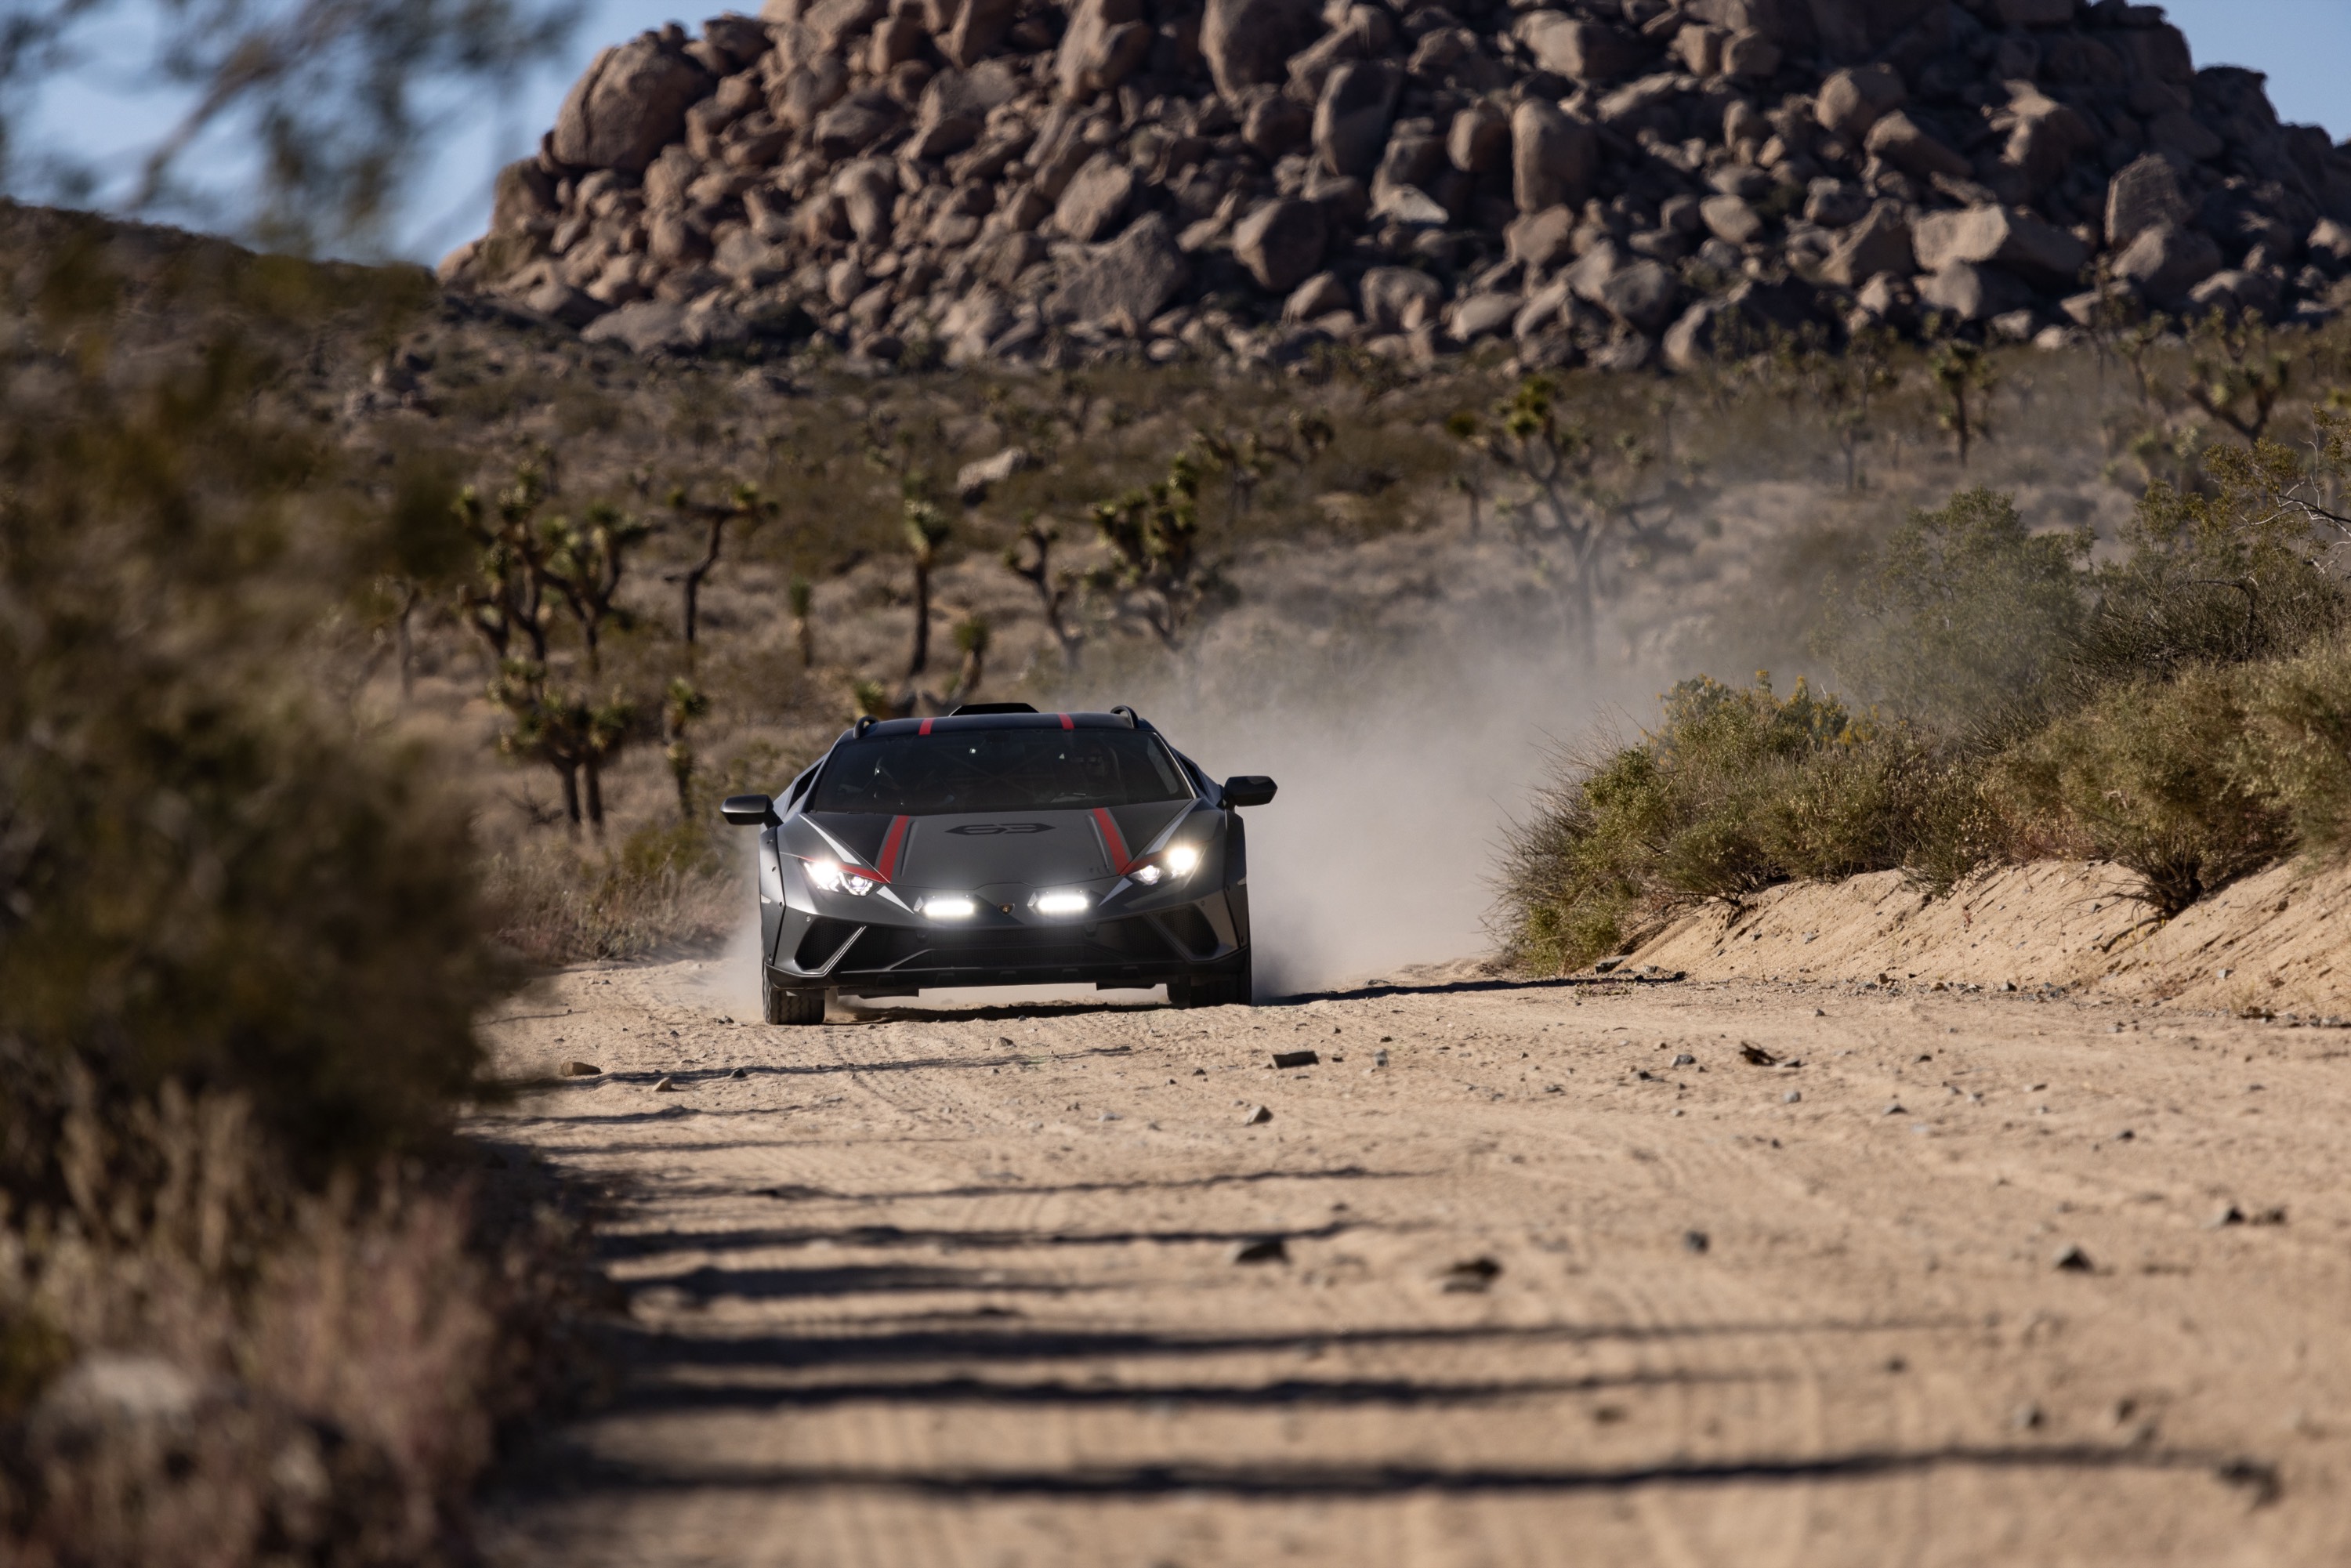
pixel 801 785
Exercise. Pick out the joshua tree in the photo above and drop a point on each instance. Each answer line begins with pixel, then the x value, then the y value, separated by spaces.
pixel 1575 494
pixel 2235 374
pixel 508 595
pixel 681 704
pixel 744 503
pixel 584 563
pixel 1850 387
pixel 926 530
pixel 801 597
pixel 1964 379
pixel 1155 533
pixel 1054 590
pixel 971 635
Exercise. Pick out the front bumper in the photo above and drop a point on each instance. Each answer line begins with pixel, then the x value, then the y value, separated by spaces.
pixel 1172 941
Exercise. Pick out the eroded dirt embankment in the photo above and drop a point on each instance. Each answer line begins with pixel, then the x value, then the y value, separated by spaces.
pixel 2276 943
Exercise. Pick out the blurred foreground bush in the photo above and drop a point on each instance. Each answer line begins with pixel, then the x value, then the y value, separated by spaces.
pixel 247 1307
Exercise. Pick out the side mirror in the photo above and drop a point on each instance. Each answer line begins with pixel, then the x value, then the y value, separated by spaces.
pixel 1248 789
pixel 748 810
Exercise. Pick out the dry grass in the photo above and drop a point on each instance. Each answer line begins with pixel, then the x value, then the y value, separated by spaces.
pixel 664 891
pixel 233 1374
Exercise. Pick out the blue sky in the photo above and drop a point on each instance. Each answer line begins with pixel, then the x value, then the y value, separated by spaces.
pixel 2304 47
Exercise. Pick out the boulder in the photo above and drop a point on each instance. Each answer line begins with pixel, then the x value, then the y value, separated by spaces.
pixel 1106 40
pixel 1277 124
pixel 1480 138
pixel 2330 243
pixel 830 25
pixel 1731 220
pixel 1582 50
pixel 2009 237
pixel 1095 200
pixel 1642 296
pixel 2233 292
pixel 1248 42
pixel 1399 299
pixel 1751 54
pixel 1834 204
pixel 1319 295
pixel 1554 156
pixel 978 27
pixel 1541 240
pixel 1350 121
pixel 1281 244
pixel 1880 244
pixel 2166 261
pixel 868 191
pixel 646 328
pixel 2178 134
pixel 855 123
pixel 630 104
pixel 1903 142
pixel 2034 13
pixel 1973 293
pixel 2047 139
pixel 2147 192
pixel 1482 315
pixel 1127 282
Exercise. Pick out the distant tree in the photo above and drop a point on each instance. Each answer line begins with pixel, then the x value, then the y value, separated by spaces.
pixel 927 529
pixel 801 598
pixel 585 562
pixel 1964 379
pixel 1054 589
pixel 2237 372
pixel 683 706
pixel 744 508
pixel 1154 534
pixel 506 596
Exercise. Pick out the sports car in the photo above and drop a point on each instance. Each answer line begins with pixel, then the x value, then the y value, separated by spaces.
pixel 1001 846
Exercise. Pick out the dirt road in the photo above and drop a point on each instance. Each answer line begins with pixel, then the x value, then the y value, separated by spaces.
pixel 1564 1277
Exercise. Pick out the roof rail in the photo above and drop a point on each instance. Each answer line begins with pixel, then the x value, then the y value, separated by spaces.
pixel 864 723
pixel 1134 720
pixel 989 707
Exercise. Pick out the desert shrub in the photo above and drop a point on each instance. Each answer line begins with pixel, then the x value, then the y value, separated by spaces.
pixel 669 886
pixel 1965 619
pixel 2296 748
pixel 2150 775
pixel 1736 790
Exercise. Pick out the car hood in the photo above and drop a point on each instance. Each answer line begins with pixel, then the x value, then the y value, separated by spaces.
pixel 968 853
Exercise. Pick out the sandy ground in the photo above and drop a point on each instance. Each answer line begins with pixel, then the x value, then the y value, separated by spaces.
pixel 2275 943
pixel 1566 1279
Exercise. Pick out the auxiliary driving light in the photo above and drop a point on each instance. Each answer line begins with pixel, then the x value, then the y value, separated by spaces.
pixel 1061 901
pixel 949 906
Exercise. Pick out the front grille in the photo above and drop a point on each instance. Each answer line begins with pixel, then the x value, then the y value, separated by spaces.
pixel 1126 942
pixel 1191 927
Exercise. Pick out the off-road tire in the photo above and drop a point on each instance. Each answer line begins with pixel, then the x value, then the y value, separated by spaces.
pixel 1234 990
pixel 785 1006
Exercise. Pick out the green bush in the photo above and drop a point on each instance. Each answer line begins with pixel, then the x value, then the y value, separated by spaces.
pixel 2297 748
pixel 1737 790
pixel 2151 775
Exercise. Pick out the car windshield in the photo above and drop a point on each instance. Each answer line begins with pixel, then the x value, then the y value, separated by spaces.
pixel 998 770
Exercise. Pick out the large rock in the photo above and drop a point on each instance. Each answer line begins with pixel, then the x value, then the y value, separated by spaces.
pixel 855 123
pixel 1398 299
pixel 630 104
pixel 1851 101
pixel 955 107
pixel 833 23
pixel 978 27
pixel 648 327
pixel 1127 282
pixel 2005 236
pixel 2046 141
pixel 2165 262
pixel 1249 42
pixel 1095 200
pixel 1351 120
pixel 1880 244
pixel 1582 50
pixel 1541 240
pixel 1275 124
pixel 1731 220
pixel 1909 147
pixel 1105 41
pixel 1973 293
pixel 1281 244
pixel 2145 193
pixel 1641 296
pixel 2034 13
pixel 1553 157
pixel 1480 138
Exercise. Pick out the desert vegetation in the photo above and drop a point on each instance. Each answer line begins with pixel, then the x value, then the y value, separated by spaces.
pixel 2176 708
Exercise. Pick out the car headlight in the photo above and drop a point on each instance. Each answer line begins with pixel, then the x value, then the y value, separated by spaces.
pixel 1176 861
pixel 949 906
pixel 833 877
pixel 1061 901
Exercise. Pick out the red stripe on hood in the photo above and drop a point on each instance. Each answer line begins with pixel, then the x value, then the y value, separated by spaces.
pixel 1068 723
pixel 926 729
pixel 1113 841
pixel 887 861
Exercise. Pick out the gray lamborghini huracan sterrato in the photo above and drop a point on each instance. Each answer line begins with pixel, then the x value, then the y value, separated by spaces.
pixel 1001 846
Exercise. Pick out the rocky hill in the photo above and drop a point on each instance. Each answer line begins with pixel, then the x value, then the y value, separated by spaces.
pixel 1612 181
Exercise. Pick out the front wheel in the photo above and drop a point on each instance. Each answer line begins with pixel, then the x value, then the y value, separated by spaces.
pixel 1235 988
pixel 784 1006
